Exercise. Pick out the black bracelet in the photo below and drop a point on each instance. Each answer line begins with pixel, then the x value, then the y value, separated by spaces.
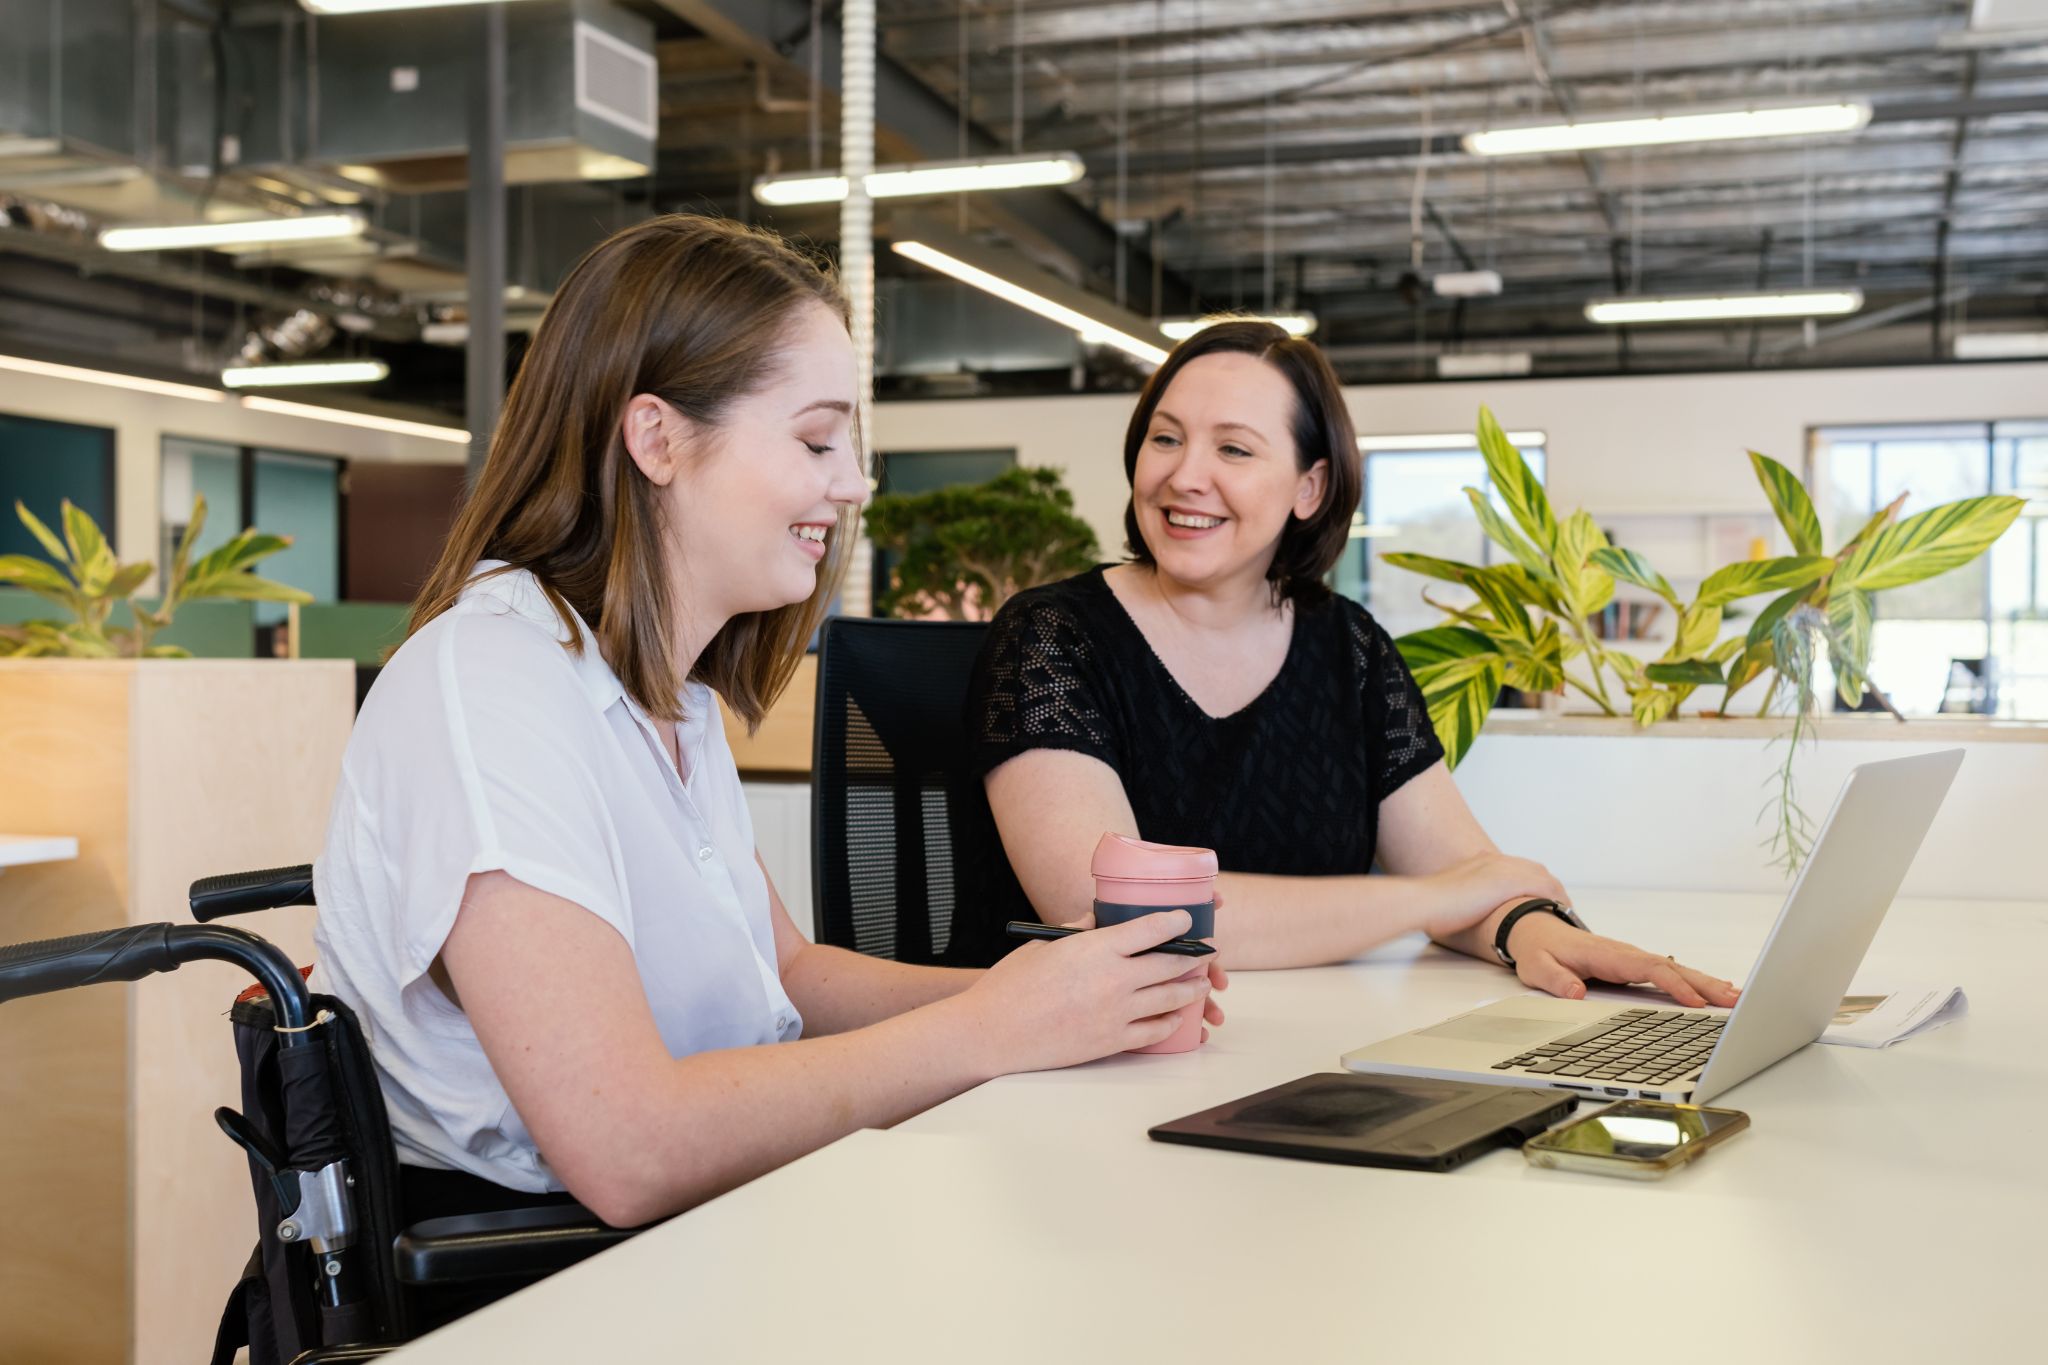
pixel 1508 921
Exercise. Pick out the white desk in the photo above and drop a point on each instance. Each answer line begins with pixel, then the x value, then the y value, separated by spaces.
pixel 19 850
pixel 1886 1206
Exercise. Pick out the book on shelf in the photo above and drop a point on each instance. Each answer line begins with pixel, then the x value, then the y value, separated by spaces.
pixel 1626 620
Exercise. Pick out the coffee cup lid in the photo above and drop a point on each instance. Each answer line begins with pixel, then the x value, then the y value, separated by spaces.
pixel 1119 855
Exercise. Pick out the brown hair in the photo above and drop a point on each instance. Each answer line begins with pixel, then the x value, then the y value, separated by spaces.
pixel 1322 431
pixel 691 310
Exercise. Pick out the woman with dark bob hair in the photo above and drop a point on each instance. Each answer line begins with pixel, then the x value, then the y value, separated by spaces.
pixel 539 888
pixel 1212 691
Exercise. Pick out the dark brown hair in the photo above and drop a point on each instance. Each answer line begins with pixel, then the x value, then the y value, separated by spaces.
pixel 694 311
pixel 1322 431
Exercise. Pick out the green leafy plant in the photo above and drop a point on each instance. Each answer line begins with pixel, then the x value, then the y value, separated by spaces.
pixel 1529 627
pixel 88 581
pixel 965 550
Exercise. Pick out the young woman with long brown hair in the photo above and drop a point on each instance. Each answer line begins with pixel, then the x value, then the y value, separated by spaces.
pixel 539 887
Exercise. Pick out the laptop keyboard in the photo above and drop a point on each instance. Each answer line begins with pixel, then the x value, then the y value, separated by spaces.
pixel 1634 1047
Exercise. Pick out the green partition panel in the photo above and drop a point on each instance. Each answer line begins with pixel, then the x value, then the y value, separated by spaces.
pixel 211 630
pixel 362 631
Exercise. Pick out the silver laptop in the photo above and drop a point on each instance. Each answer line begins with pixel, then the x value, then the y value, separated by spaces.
pixel 1849 880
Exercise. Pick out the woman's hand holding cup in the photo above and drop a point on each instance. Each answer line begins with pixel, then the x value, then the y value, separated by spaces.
pixel 1074 999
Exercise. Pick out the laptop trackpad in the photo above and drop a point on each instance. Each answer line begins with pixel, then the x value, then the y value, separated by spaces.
pixel 1493 1028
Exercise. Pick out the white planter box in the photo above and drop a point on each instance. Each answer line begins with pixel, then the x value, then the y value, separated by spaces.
pixel 1675 806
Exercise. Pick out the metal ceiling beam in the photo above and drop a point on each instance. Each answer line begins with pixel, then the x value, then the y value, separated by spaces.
pixel 91 260
pixel 779 31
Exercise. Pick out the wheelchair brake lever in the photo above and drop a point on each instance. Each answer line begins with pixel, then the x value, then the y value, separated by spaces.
pixel 236 1126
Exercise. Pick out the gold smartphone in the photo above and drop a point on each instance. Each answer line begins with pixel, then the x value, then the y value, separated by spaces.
pixel 1635 1139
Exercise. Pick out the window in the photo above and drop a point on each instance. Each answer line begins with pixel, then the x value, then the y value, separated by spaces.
pixel 43 463
pixel 278 492
pixel 209 470
pixel 1974 639
pixel 1414 502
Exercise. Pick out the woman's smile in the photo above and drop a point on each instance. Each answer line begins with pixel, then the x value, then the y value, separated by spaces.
pixel 1182 524
pixel 810 537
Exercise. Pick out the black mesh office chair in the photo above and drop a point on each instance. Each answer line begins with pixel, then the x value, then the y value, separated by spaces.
pixel 335 1276
pixel 906 862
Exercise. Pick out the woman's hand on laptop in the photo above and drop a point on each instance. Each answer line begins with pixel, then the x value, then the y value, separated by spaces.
pixel 1553 956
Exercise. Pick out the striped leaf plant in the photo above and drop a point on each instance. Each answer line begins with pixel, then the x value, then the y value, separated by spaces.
pixel 1530 625
pixel 84 578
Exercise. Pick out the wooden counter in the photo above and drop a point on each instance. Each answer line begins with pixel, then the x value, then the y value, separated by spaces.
pixel 782 746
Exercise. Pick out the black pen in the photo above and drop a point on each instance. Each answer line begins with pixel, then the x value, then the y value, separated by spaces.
pixel 1178 947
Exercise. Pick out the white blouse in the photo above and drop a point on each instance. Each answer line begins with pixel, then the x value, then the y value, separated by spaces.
pixel 487 746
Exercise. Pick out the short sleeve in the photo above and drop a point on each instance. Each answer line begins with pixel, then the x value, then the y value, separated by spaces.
pixel 1038 684
pixel 469 771
pixel 1404 740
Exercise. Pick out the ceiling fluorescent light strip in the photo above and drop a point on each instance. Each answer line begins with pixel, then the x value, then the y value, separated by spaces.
pixel 44 369
pixel 2001 346
pixel 380 6
pixel 313 227
pixel 935 177
pixel 1294 324
pixel 1444 440
pixel 1808 303
pixel 356 419
pixel 313 372
pixel 1806 120
pixel 110 379
pixel 1088 328
pixel 1483 364
pixel 1467 284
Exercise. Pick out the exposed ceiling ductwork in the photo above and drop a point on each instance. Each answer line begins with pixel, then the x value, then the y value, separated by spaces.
pixel 1304 156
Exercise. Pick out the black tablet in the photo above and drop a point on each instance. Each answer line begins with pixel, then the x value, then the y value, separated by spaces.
pixel 1405 1121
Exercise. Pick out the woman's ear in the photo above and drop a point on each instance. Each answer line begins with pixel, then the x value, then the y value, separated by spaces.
pixel 651 432
pixel 1308 495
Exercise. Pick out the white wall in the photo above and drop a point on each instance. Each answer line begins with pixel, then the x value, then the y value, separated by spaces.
pixel 1643 445
pixel 140 421
pixel 1670 809
pixel 1676 808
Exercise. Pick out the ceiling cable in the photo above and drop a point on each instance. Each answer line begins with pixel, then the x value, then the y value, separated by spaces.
pixel 1123 171
pixel 961 98
pixel 817 100
pixel 1268 220
pixel 1415 197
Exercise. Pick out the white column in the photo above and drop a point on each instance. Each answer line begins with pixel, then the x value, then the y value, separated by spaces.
pixel 857 244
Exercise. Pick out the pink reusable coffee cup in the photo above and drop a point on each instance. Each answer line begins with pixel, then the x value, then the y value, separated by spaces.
pixel 1134 879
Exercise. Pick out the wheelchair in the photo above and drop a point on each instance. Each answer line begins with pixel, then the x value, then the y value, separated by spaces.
pixel 334 1276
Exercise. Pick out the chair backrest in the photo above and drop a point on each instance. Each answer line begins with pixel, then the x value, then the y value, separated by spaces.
pixel 906 862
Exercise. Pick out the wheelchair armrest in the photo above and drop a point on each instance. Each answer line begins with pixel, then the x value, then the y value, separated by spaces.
pixel 515 1243
pixel 238 893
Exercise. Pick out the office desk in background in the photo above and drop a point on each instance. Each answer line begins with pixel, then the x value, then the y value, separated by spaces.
pixel 1886 1206
pixel 23 850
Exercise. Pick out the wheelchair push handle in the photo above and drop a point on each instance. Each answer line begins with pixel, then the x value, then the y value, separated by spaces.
pixel 134 951
pixel 238 893
pixel 58 964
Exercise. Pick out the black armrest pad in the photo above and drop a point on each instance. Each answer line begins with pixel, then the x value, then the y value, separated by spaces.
pixel 524 1243
pixel 238 893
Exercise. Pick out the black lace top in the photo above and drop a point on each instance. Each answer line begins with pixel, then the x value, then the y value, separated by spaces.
pixel 1290 784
